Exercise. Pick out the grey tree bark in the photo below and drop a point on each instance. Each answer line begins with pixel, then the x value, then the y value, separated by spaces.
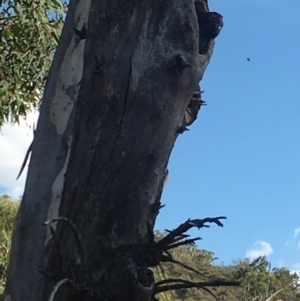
pixel 120 82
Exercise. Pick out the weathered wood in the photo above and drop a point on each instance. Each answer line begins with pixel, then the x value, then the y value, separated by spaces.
pixel 115 99
pixel 47 167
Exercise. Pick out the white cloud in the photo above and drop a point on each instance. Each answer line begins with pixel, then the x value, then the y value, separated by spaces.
pixel 296 269
pixel 260 248
pixel 296 232
pixel 14 141
pixel 281 263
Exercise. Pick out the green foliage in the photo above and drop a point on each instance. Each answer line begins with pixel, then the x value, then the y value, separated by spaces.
pixel 8 212
pixel 29 32
pixel 259 281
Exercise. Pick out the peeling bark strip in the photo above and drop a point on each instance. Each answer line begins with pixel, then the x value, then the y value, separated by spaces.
pixel 67 88
pixel 49 159
pixel 56 194
pixel 130 94
pixel 68 83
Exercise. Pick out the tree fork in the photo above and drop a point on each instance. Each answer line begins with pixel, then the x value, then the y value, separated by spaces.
pixel 109 119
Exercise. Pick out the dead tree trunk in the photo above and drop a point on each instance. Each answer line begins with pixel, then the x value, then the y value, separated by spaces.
pixel 121 79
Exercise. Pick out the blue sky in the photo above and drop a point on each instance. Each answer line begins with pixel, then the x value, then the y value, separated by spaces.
pixel 241 158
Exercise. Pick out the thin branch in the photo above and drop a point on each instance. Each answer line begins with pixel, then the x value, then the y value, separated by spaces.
pixel 217 282
pixel 182 243
pixel 58 285
pixel 25 160
pixel 161 206
pixel 210 292
pixel 277 292
pixel 164 243
pixel 45 273
pixel 182 236
pixel 178 238
pixel 164 285
pixel 170 259
pixel 75 232
pixel 164 275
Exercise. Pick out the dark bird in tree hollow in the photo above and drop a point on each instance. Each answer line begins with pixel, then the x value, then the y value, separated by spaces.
pixel 210 25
